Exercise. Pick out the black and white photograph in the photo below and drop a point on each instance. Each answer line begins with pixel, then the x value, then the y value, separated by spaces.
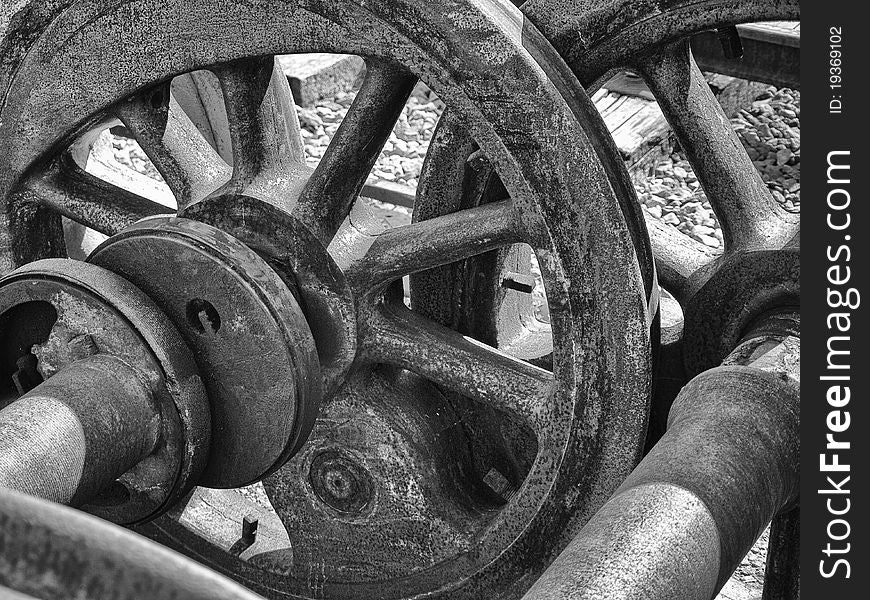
pixel 431 300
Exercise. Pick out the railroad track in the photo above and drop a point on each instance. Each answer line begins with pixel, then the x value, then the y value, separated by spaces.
pixel 771 53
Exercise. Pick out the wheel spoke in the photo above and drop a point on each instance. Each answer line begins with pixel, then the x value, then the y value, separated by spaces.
pixel 199 95
pixel 188 164
pixel 264 127
pixel 94 152
pixel 677 256
pixel 398 336
pixel 749 216
pixel 67 189
pixel 336 182
pixel 431 243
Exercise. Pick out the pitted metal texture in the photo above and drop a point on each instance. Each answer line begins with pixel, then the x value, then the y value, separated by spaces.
pixel 247 332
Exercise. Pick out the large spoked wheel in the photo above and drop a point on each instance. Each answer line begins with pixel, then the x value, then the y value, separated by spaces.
pixel 721 293
pixel 389 498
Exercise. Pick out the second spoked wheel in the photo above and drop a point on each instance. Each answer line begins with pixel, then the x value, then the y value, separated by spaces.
pixel 720 291
pixel 405 486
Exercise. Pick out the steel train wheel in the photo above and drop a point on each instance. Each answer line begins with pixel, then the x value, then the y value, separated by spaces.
pixel 596 38
pixel 721 293
pixel 385 500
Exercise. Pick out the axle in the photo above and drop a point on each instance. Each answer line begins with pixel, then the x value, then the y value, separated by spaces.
pixel 108 412
pixel 74 434
pixel 682 521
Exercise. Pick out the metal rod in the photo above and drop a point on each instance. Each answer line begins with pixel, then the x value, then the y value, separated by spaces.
pixel 74 434
pixel 782 573
pixel 52 551
pixel 682 521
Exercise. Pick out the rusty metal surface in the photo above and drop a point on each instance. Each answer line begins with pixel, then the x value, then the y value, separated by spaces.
pixel 596 36
pixel 728 463
pixel 293 252
pixel 382 491
pixel 720 295
pixel 263 129
pixel 52 552
pixel 247 332
pixel 782 572
pixel 782 580
pixel 725 298
pixel 66 188
pixel 749 216
pixel 520 120
pixel 173 144
pixel 64 311
pixel 354 148
pixel 503 460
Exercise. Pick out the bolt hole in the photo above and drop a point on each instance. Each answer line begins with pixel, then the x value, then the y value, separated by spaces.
pixel 203 316
pixel 22 327
pixel 114 495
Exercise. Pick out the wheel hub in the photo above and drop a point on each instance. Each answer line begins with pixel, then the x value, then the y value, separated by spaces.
pixel 728 295
pixel 246 329
pixel 304 265
pixel 57 318
pixel 382 487
pixel 374 491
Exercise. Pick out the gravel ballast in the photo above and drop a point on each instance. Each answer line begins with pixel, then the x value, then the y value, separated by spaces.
pixel 769 130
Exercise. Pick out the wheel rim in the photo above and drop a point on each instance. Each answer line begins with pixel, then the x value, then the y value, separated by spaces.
pixel 722 294
pixel 594 42
pixel 599 405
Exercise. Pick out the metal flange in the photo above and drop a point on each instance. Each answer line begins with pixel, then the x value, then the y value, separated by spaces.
pixel 725 297
pixel 299 258
pixel 249 336
pixel 75 336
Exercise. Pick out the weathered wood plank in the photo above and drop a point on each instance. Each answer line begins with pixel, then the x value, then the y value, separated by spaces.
pixel 316 77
